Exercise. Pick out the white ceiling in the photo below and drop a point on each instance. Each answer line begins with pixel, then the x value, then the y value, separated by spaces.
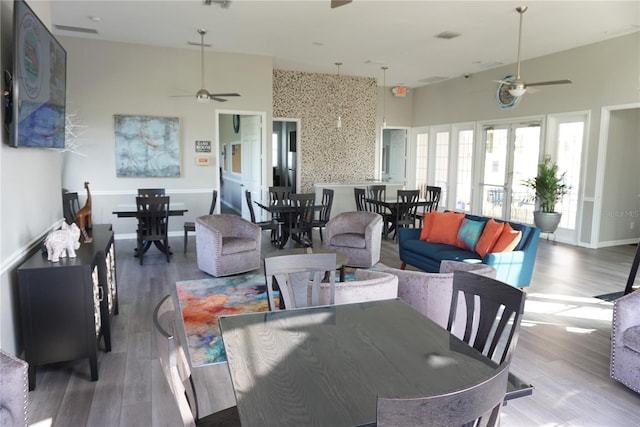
pixel 307 35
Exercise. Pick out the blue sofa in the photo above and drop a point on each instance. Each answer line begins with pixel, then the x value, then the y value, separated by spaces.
pixel 515 268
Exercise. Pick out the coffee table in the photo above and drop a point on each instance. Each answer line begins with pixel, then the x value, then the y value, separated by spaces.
pixel 341 259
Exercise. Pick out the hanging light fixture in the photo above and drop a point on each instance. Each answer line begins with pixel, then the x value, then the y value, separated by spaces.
pixel 384 97
pixel 339 121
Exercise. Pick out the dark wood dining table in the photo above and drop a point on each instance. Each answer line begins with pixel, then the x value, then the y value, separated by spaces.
pixel 130 211
pixel 327 365
pixel 283 209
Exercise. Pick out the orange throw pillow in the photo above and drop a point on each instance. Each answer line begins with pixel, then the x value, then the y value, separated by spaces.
pixel 508 240
pixel 445 228
pixel 427 224
pixel 489 237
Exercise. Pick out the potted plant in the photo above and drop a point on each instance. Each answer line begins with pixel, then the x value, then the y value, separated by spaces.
pixel 549 187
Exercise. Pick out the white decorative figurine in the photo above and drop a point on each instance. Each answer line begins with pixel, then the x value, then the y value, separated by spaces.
pixel 63 242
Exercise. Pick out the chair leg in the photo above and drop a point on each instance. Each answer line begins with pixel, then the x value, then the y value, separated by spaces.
pixel 403 266
pixel 321 238
pixel 140 251
pixel 166 245
pixel 185 240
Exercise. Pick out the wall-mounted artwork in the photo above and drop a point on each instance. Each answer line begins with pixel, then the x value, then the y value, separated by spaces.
pixel 147 146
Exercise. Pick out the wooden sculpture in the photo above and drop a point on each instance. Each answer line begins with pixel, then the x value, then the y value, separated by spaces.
pixel 83 216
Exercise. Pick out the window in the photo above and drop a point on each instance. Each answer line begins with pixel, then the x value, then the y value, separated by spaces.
pixel 569 155
pixel 275 150
pixel 422 157
pixel 442 165
pixel 465 158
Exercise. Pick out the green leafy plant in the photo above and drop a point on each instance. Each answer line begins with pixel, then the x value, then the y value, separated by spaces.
pixel 548 185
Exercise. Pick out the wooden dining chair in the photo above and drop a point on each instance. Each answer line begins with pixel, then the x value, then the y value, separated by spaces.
pixel 294 274
pixel 151 192
pixel 279 194
pixel 477 405
pixel 272 225
pixel 70 206
pixel 406 210
pixel 325 211
pixel 488 316
pixel 191 225
pixel 432 196
pixel 299 221
pixel 153 223
pixel 360 195
pixel 178 372
pixel 379 192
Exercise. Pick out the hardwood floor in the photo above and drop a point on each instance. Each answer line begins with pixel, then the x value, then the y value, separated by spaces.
pixel 563 348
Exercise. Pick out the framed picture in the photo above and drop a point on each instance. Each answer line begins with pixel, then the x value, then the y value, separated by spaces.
pixel 147 146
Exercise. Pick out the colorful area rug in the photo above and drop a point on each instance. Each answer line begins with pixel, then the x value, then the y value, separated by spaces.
pixel 203 301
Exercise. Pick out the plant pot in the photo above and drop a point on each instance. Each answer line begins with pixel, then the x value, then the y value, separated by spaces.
pixel 547 222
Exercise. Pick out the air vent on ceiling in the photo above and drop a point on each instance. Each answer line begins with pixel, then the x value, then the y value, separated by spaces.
pixel 76 29
pixel 223 3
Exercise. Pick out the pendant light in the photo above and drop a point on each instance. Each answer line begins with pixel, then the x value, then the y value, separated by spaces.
pixel 384 97
pixel 339 121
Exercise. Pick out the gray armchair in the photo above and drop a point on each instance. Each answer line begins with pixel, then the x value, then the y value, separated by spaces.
pixel 358 235
pixel 14 386
pixel 625 341
pixel 227 244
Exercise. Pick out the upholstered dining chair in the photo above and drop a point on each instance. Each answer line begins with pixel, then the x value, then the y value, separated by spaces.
pixel 190 226
pixel 227 244
pixel 272 225
pixel 293 274
pixel 70 206
pixel 477 405
pixel 356 234
pixel 177 371
pixel 431 195
pixel 153 224
pixel 325 211
pixel 492 315
pixel 625 341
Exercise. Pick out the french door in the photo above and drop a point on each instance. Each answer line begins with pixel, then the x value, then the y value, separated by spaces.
pixel 511 156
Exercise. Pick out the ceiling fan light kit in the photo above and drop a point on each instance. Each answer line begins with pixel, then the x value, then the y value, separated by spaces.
pixel 510 89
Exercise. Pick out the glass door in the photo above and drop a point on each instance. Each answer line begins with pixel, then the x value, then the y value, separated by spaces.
pixel 511 156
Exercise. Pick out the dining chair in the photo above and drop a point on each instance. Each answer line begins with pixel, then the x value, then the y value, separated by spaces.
pixel 191 225
pixel 272 224
pixel 325 211
pixel 477 405
pixel 153 223
pixel 70 206
pixel 432 196
pixel 379 192
pixel 360 196
pixel 490 322
pixel 406 210
pixel 151 192
pixel 178 372
pixel 299 220
pixel 279 194
pixel 295 274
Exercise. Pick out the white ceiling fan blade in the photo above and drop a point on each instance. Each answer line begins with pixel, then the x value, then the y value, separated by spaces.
pixel 224 94
pixel 338 3
pixel 551 82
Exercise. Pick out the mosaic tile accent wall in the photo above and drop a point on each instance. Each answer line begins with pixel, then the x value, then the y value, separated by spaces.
pixel 328 153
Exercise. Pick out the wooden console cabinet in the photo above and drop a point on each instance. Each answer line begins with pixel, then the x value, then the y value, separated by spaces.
pixel 66 306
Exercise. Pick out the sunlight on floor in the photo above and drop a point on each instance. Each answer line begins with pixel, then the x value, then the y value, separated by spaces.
pixel 569 306
pixel 43 423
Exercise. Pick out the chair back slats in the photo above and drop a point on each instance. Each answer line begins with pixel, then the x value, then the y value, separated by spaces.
pixel 70 206
pixel 151 192
pixel 300 222
pixel 327 203
pixel 247 195
pixel 214 200
pixel 432 194
pixel 279 193
pixel 493 312
pixel 153 217
pixel 377 192
pixel 478 405
pixel 293 274
pixel 407 208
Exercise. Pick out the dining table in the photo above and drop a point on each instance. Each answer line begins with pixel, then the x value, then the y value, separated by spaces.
pixel 131 211
pixel 284 210
pixel 327 365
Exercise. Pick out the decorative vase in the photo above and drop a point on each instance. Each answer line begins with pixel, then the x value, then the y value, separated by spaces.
pixel 547 222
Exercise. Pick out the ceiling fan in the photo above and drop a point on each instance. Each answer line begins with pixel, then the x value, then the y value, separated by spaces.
pixel 203 94
pixel 516 87
pixel 338 3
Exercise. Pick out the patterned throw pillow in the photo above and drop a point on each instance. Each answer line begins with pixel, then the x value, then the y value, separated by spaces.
pixel 469 233
pixel 489 237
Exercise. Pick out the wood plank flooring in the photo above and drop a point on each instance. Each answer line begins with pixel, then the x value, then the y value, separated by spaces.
pixel 563 348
